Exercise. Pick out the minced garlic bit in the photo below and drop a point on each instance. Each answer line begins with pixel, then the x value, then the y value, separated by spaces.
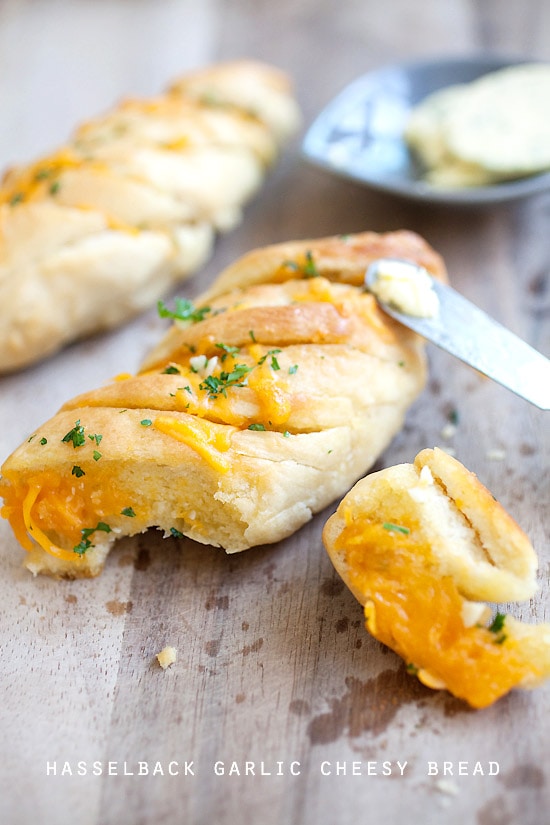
pixel 406 287
pixel 167 657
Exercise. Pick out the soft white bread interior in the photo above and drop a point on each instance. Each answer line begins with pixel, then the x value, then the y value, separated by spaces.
pixel 262 405
pixel 422 546
pixel 102 228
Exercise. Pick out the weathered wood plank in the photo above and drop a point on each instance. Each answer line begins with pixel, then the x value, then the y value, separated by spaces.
pixel 274 666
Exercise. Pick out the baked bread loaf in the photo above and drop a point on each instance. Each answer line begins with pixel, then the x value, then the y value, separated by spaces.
pixel 422 546
pixel 266 401
pixel 102 228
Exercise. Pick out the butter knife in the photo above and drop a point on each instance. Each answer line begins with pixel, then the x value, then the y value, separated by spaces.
pixel 464 330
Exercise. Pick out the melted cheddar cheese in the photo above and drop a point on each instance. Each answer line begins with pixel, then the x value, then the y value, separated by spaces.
pixel 53 511
pixel 209 440
pixel 418 613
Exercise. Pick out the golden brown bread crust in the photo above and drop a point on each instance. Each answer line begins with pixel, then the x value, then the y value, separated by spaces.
pixel 262 409
pixel 432 528
pixel 131 204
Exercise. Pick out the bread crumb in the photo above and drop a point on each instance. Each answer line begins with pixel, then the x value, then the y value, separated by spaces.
pixel 496 455
pixel 167 657
pixel 448 431
pixel 447 787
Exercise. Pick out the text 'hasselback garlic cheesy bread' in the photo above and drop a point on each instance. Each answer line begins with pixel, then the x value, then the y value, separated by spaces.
pixel 100 229
pixel 265 401
pixel 422 546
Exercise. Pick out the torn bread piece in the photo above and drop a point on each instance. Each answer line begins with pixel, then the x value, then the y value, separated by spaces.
pixel 422 546
pixel 100 229
pixel 264 403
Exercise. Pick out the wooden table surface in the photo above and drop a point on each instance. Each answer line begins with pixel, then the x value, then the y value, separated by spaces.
pixel 274 665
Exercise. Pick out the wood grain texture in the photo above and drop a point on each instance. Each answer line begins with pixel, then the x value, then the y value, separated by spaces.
pixel 274 665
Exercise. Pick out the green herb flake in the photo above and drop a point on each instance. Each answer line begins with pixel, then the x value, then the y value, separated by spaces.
pixel 176 533
pixel 252 336
pixel 286 434
pixel 293 369
pixel 96 437
pixel 43 441
pixel 218 385
pixel 309 269
pixel 75 436
pixel 412 669
pixel 498 623
pixel 145 422
pixel 171 370
pixel 128 511
pixel 31 438
pixel 17 198
pixel 183 311
pixel 395 528
pixel 43 174
pixel 54 187
pixel 227 350
pixel 77 471
pixel 274 363
pixel 259 427
pixel 96 455
pixel 86 532
pixel 264 358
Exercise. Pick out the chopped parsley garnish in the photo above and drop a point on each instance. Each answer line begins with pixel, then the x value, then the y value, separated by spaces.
pixel 227 350
pixel 252 336
pixel 145 422
pixel 96 437
pixel 264 358
pixel 259 427
pixel 176 533
pixel 43 441
pixel 183 311
pixel 498 623
pixel 17 198
pixel 309 269
pixel 128 511
pixel 54 188
pixel 412 669
pixel 218 385
pixel 75 436
pixel 96 455
pixel 171 370
pixel 395 528
pixel 43 174
pixel 286 434
pixel 293 369
pixel 77 471
pixel 86 532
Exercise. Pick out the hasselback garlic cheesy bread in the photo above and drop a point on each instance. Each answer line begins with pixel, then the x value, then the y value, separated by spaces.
pixel 100 229
pixel 267 399
pixel 422 547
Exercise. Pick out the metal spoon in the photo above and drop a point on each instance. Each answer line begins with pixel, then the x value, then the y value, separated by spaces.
pixel 461 328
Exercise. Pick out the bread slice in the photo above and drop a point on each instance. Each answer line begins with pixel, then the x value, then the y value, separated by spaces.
pixel 422 546
pixel 260 407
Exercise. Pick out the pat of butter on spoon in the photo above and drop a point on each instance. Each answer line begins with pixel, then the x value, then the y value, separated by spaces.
pixel 408 293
